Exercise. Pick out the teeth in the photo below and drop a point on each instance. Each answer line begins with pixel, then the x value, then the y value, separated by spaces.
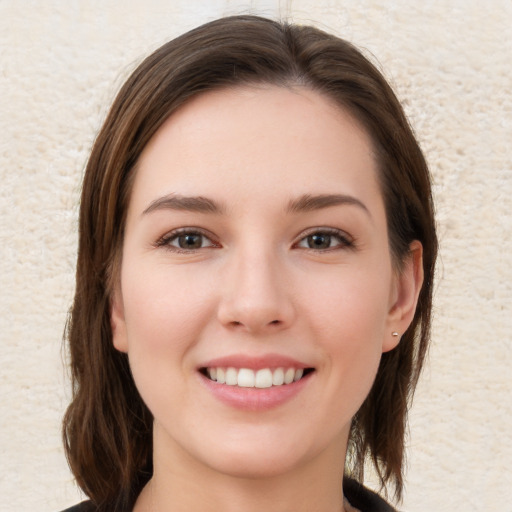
pixel 247 378
pixel 278 377
pixel 221 376
pixel 231 377
pixel 289 375
pixel 263 378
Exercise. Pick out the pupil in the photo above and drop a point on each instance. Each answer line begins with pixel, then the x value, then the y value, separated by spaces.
pixel 319 241
pixel 190 241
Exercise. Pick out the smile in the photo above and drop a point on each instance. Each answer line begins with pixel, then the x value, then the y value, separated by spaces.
pixel 262 378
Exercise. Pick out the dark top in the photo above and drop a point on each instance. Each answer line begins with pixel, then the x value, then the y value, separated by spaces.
pixel 358 496
pixel 85 506
pixel 363 499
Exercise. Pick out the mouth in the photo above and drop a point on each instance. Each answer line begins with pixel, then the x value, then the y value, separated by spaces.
pixel 249 378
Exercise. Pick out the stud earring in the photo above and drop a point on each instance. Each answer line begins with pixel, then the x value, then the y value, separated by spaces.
pixel 394 334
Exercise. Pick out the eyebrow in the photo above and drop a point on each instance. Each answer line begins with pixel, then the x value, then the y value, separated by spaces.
pixel 308 202
pixel 197 204
pixel 200 204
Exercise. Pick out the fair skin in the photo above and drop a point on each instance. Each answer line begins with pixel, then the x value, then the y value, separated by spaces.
pixel 256 239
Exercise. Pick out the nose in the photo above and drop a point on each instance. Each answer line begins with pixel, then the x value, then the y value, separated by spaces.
pixel 256 297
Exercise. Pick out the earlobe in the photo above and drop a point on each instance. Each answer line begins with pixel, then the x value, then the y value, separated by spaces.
pixel 117 321
pixel 407 289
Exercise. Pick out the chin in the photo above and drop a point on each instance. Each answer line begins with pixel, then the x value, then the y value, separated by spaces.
pixel 255 466
pixel 260 457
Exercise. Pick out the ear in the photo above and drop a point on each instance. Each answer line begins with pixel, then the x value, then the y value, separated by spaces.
pixel 405 295
pixel 117 321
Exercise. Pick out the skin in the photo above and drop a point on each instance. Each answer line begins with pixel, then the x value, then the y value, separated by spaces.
pixel 255 286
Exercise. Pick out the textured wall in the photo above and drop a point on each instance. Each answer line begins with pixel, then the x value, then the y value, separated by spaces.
pixel 61 63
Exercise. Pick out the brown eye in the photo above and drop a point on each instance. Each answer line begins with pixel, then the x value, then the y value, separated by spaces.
pixel 319 241
pixel 189 241
pixel 323 240
pixel 185 240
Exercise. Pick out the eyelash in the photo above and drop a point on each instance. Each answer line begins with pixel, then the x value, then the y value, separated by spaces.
pixel 344 240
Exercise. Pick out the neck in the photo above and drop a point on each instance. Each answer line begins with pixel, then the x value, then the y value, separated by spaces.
pixel 182 484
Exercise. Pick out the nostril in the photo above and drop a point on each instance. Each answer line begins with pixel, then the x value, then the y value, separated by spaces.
pixel 237 323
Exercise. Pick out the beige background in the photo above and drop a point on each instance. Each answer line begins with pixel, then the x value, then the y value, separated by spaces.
pixel 450 62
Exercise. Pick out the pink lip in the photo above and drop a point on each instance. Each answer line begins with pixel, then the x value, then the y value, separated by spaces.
pixel 271 361
pixel 254 399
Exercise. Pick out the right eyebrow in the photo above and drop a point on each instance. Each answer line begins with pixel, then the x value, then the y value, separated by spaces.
pixel 197 204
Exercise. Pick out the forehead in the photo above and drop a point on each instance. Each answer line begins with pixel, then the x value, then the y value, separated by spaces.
pixel 258 139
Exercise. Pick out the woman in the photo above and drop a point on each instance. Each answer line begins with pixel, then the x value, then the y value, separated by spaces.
pixel 254 279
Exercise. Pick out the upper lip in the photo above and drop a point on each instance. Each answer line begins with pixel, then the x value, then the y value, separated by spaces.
pixel 254 362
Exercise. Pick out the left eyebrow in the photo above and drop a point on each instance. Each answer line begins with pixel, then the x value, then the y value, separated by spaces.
pixel 308 202
pixel 197 204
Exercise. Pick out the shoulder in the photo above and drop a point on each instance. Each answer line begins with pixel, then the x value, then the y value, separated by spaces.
pixel 363 499
pixel 85 506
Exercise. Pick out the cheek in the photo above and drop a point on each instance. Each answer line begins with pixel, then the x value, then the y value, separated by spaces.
pixel 164 309
pixel 352 305
pixel 163 321
pixel 348 322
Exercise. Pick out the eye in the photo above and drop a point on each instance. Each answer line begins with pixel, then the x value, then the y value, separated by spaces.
pixel 185 240
pixel 325 239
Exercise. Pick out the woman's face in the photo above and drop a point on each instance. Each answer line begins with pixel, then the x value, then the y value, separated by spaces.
pixel 255 250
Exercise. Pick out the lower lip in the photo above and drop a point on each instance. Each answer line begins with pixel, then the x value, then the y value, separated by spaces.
pixel 255 399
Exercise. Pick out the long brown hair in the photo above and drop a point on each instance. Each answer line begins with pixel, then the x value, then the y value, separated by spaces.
pixel 107 427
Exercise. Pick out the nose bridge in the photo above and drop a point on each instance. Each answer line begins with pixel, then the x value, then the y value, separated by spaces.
pixel 255 296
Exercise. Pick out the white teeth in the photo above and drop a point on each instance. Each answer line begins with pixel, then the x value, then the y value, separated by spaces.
pixel 278 377
pixel 231 377
pixel 263 378
pixel 247 378
pixel 289 376
pixel 221 376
